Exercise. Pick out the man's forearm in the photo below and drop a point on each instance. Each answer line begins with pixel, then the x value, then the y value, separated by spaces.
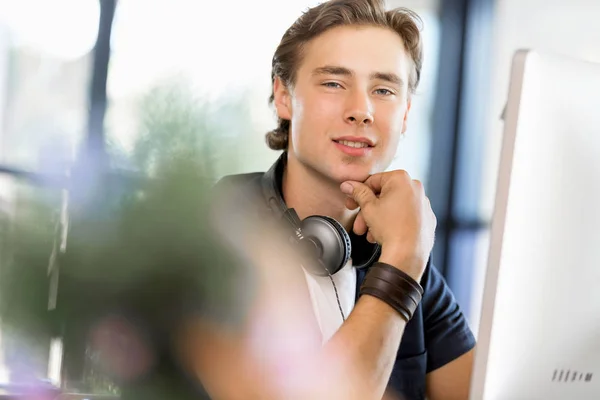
pixel 368 341
pixel 355 363
pixel 283 360
pixel 365 347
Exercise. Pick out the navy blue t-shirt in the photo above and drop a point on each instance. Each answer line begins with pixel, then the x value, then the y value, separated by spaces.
pixel 438 332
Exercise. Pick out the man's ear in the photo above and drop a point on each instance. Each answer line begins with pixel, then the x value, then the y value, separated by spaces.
pixel 283 101
pixel 404 123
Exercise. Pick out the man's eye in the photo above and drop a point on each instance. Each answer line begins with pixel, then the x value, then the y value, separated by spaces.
pixel 332 84
pixel 384 92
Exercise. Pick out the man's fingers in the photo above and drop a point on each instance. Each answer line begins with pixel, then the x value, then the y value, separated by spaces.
pixel 377 181
pixel 361 193
pixel 370 238
pixel 360 226
pixel 351 204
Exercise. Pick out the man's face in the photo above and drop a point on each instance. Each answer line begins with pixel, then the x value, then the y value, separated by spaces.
pixel 349 104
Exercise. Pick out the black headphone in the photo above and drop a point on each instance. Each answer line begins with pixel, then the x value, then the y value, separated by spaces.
pixel 321 238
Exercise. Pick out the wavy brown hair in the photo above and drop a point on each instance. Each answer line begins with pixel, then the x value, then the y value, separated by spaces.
pixel 331 14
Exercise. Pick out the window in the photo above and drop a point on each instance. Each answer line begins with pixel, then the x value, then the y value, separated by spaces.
pixel 205 67
pixel 45 53
pixel 44 74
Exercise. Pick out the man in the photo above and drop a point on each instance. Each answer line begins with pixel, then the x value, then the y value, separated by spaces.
pixel 343 76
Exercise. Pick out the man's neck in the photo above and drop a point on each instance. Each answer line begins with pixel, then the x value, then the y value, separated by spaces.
pixel 310 193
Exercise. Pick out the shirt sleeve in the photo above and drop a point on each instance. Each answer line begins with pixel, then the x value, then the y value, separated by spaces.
pixel 447 333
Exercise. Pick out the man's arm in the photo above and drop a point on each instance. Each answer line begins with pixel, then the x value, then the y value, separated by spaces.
pixel 356 363
pixel 406 236
pixel 453 380
pixel 364 349
pixel 277 356
pixel 367 344
pixel 278 353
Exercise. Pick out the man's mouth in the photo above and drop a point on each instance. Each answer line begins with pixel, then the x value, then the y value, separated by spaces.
pixel 356 145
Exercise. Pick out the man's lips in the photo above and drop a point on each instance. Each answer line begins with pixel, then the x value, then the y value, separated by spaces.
pixel 355 141
pixel 355 149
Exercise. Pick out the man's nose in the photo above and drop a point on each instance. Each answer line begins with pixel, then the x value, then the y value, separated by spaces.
pixel 359 109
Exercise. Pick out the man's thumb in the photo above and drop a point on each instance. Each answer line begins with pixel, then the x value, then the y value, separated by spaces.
pixel 360 192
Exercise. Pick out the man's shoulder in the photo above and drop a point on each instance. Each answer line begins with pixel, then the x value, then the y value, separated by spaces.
pixel 239 193
pixel 239 185
pixel 241 181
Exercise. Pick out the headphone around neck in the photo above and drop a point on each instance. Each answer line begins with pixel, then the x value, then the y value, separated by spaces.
pixel 323 239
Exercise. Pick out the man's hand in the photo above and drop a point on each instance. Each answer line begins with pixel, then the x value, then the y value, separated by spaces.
pixel 396 214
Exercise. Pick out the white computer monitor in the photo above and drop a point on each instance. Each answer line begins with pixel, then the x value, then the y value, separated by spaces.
pixel 539 333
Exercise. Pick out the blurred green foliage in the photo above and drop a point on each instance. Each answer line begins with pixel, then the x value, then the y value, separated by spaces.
pixel 140 244
pixel 175 124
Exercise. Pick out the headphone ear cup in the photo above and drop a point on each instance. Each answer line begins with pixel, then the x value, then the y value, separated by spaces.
pixel 345 237
pixel 332 240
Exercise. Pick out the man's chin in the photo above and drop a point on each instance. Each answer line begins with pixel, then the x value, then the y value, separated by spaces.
pixel 357 176
pixel 352 170
pixel 342 172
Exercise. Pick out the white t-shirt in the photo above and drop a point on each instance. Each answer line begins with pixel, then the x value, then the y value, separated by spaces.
pixel 324 302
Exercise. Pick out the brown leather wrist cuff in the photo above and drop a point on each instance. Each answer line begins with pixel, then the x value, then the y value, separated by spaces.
pixel 394 287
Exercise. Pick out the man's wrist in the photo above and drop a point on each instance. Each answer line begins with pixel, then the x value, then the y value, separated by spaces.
pixel 379 308
pixel 393 286
pixel 398 259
